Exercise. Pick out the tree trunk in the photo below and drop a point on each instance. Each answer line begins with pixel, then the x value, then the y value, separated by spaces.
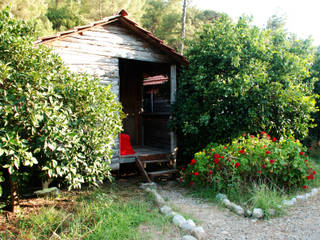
pixel 183 30
pixel 14 193
pixel 100 9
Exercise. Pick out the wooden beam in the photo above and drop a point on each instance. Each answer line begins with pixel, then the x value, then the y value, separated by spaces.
pixel 173 90
pixel 142 170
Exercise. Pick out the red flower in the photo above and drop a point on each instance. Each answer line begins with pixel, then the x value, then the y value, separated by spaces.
pixel 268 136
pixel 210 172
pixel 183 169
pixel 237 164
pixel 305 187
pixel 216 156
pixel 264 146
pixel 263 132
pixel 305 160
pixel 193 161
pixel 263 166
pixel 310 148
pixel 308 177
pixel 274 139
pixel 216 160
pixel 311 176
pixel 221 157
pixel 314 173
pixel 242 151
pixel 260 172
pixel 181 179
pixel 225 147
pixel 301 153
pixel 267 152
pixel 196 173
pixel 191 183
pixel 271 161
pixel 306 155
pixel 252 136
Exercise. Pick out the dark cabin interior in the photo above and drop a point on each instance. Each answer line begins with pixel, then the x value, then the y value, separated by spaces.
pixel 146 105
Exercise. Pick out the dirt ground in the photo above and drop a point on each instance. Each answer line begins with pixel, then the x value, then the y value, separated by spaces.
pixel 301 222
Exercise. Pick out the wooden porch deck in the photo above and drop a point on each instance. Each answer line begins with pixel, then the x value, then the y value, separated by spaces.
pixel 142 151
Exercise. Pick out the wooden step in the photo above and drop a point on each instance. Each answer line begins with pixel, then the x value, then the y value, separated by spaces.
pixel 162 172
pixel 142 170
pixel 152 157
pixel 156 161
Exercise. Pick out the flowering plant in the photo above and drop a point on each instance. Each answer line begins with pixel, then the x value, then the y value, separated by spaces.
pixel 249 159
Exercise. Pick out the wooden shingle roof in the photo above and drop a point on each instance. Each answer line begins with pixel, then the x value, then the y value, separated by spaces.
pixel 127 23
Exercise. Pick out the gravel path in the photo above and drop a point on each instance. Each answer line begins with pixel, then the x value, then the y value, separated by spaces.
pixel 301 222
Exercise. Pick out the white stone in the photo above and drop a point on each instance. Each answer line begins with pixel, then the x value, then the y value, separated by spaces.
pixel 159 200
pixel 188 225
pixel 301 197
pixel 232 206
pixel 224 233
pixel 165 209
pixel 248 213
pixel 226 202
pixel 238 210
pixel 272 212
pixel 54 191
pixel 178 220
pixel 171 214
pixel 199 233
pixel 257 213
pixel 288 202
pixel 308 195
pixel 220 197
pixel 188 237
pixel 314 191
pixel 151 185
pixel 294 200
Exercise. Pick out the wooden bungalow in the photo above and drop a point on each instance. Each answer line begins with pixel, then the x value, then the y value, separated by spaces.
pixel 125 55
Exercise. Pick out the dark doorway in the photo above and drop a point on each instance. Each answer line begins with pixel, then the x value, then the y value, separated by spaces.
pixel 145 127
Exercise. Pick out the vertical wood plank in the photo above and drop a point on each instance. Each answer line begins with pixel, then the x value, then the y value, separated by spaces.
pixel 173 89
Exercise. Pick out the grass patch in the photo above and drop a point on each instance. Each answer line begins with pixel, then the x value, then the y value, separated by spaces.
pixel 113 212
pixel 260 195
pixel 266 198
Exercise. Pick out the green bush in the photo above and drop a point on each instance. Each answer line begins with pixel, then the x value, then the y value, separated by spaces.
pixel 243 79
pixel 53 122
pixel 251 159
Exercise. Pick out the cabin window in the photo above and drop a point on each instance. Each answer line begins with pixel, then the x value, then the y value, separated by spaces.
pixel 156 98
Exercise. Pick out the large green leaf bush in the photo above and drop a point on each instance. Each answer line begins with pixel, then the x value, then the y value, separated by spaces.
pixel 242 79
pixel 53 123
pixel 248 160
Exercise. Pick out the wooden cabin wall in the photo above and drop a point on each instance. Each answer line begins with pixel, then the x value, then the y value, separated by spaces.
pixel 97 52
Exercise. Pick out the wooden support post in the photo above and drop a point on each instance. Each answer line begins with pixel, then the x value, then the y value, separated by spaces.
pixel 173 89
pixel 142 170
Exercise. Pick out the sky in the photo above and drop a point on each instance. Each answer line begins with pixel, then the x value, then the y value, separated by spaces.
pixel 302 16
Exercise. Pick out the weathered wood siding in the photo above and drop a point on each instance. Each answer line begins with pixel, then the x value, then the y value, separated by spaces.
pixel 97 52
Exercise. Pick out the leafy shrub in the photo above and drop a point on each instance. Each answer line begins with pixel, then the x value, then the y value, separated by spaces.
pixel 59 124
pixel 243 79
pixel 251 159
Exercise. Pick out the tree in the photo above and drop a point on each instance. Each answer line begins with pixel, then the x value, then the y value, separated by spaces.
pixel 276 22
pixel 65 17
pixel 162 18
pixel 315 132
pixel 242 79
pixel 31 10
pixel 106 8
pixel 183 30
pixel 53 122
